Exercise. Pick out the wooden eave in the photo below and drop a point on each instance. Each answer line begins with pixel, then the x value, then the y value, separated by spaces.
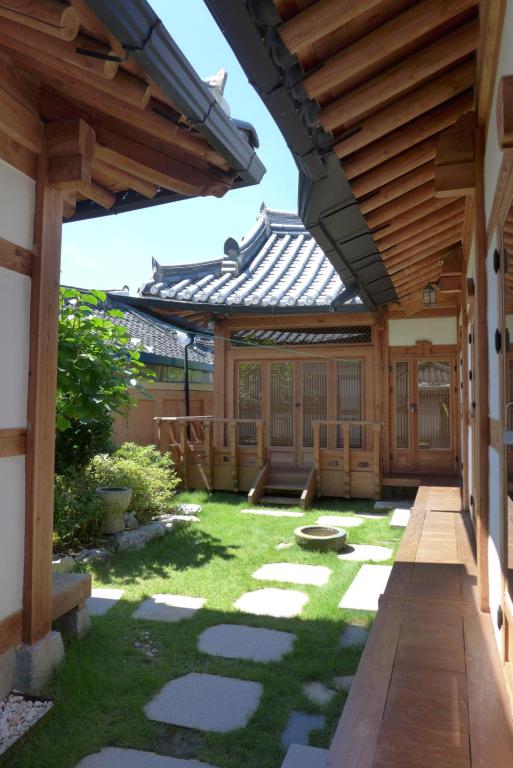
pixel 61 65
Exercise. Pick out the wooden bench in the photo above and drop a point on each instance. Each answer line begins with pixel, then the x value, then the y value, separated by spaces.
pixel 429 690
pixel 69 591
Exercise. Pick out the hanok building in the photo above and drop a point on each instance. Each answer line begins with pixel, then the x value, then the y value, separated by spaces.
pixel 100 113
pixel 398 115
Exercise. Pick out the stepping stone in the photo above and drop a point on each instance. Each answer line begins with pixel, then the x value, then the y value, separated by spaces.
pixel 393 504
pixel 299 726
pixel 342 682
pixel 400 518
pixel 377 515
pixel 299 756
pixel 363 552
pixel 102 600
pixel 353 634
pixel 284 545
pixel 280 603
pixel 369 584
pixel 294 574
pixel 131 758
pixel 239 642
pixel 170 608
pixel 206 702
pixel 272 512
pixel 339 521
pixel 318 693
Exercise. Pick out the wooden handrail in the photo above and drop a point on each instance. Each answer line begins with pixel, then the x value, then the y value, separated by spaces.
pixel 206 418
pixel 351 423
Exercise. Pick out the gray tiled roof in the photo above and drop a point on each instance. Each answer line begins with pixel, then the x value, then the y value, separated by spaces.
pixel 158 338
pixel 277 263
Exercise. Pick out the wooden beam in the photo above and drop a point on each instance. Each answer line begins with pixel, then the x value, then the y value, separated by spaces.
pixel 402 219
pixel 491 18
pixel 154 167
pixel 106 175
pixel 92 191
pixel 30 52
pixel 39 465
pixel 352 107
pixel 395 168
pixel 20 123
pixel 429 247
pixel 15 257
pixel 386 39
pixel 416 103
pixel 450 283
pixel 319 20
pixel 417 244
pixel 12 442
pixel 504 112
pixel 428 224
pixel 48 16
pixel 399 206
pixel 406 137
pixel 455 158
pixel 423 176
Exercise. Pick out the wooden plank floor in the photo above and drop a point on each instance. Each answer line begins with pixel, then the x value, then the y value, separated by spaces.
pixel 429 690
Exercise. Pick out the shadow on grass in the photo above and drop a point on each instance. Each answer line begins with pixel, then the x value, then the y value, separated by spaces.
pixel 188 547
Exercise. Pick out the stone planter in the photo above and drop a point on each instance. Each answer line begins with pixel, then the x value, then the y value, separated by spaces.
pixel 321 537
pixel 115 503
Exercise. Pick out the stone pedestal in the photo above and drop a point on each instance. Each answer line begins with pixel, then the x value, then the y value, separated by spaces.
pixel 7 660
pixel 74 624
pixel 36 663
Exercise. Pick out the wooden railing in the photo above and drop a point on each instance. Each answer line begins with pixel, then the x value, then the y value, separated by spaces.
pixel 362 458
pixel 208 444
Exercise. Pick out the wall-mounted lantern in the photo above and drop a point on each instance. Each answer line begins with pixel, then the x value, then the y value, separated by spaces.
pixel 429 295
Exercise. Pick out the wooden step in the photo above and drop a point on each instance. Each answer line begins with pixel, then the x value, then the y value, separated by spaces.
pixel 270 500
pixel 290 487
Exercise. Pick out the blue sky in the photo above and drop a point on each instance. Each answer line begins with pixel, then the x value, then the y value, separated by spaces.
pixel 116 250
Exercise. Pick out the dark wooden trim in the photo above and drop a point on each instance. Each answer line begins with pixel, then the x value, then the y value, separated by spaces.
pixel 12 442
pixel 15 258
pixel 44 300
pixel 10 631
pixel 19 157
pixel 495 434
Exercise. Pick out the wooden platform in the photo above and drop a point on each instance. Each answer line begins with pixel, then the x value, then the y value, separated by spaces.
pixel 429 690
pixel 406 480
pixel 69 591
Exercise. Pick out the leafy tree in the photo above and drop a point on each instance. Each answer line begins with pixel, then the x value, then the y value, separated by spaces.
pixel 96 364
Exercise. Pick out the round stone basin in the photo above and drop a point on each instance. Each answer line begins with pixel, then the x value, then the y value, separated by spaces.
pixel 321 537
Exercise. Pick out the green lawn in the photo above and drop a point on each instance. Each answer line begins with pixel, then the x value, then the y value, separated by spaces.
pixel 100 690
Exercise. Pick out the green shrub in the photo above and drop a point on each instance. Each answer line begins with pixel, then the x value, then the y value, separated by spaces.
pixel 142 468
pixel 77 510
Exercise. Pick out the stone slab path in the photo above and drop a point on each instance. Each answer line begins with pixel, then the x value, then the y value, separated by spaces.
pixel 400 517
pixel 299 756
pixel 233 641
pixel 132 758
pixel 342 682
pixel 339 521
pixel 102 600
pixel 363 552
pixel 299 727
pixel 393 504
pixel 206 702
pixel 370 582
pixel 271 512
pixel 318 693
pixel 279 603
pixel 353 634
pixel 317 575
pixel 169 608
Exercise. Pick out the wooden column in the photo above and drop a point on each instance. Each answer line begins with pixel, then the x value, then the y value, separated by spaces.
pixel 316 430
pixel 234 455
pixel 42 383
pixel 346 432
pixel 219 382
pixel 481 435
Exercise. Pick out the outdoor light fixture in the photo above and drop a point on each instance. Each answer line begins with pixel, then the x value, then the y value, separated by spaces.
pixel 429 295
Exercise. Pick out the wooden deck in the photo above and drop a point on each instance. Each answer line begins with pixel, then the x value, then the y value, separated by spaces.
pixel 429 690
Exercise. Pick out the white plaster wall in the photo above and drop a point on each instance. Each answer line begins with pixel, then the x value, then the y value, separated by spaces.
pixel 493 156
pixel 437 330
pixel 493 322
pixel 12 529
pixel 17 193
pixel 495 503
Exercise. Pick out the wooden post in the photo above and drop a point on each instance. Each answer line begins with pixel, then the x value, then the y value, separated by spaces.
pixel 316 429
pixel 184 453
pixel 377 460
pixel 219 382
pixel 234 455
pixel 42 385
pixel 260 428
pixel 209 456
pixel 346 428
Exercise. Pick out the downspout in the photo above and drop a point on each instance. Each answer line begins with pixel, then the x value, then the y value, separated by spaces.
pixel 186 389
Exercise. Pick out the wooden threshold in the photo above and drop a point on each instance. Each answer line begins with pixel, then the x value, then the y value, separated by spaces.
pixel 429 689
pixel 398 480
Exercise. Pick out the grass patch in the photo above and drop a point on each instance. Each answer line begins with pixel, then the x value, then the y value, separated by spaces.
pixel 100 690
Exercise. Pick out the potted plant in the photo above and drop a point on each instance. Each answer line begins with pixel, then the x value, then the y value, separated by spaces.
pixel 116 501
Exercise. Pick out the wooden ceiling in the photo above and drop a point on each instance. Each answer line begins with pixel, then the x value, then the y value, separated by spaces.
pixel 389 76
pixel 142 142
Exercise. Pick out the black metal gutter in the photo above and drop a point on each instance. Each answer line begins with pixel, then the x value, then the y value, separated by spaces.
pixel 143 35
pixel 326 203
